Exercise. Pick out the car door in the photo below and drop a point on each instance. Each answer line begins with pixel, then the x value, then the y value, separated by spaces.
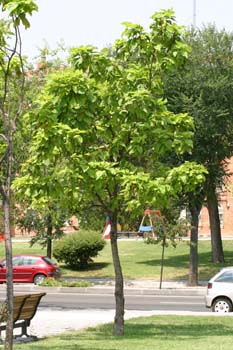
pixel 3 271
pixel 15 269
pixel 17 262
pixel 27 269
pixel 223 284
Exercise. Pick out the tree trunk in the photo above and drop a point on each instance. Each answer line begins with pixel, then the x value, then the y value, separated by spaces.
pixel 49 247
pixel 193 266
pixel 9 277
pixel 5 192
pixel 162 263
pixel 215 228
pixel 118 328
pixel 49 236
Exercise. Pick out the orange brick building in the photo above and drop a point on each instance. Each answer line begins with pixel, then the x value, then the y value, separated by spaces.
pixel 225 209
pixel 71 225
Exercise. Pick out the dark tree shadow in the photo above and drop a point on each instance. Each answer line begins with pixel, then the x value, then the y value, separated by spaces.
pixel 139 329
pixel 90 267
pixel 180 261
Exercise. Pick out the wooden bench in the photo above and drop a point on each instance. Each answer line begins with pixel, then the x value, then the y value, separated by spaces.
pixel 25 307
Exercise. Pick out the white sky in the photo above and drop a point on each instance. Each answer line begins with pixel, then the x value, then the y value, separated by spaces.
pixel 98 22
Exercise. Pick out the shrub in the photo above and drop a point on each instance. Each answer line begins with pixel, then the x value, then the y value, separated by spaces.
pixel 77 284
pixel 77 249
pixel 51 282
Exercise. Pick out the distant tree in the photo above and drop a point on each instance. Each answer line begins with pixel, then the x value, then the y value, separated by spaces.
pixel 91 216
pixel 203 89
pixel 103 118
pixel 12 82
pixel 42 216
pixel 47 226
pixel 44 200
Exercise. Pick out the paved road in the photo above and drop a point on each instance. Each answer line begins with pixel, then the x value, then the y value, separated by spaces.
pixel 132 302
pixel 97 300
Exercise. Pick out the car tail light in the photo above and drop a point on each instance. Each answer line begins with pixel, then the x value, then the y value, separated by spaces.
pixel 209 285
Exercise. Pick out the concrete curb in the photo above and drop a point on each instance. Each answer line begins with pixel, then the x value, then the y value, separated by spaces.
pixel 200 290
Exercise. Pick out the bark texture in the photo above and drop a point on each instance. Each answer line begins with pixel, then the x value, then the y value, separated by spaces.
pixel 193 263
pixel 118 327
pixel 9 278
pixel 49 236
pixel 215 227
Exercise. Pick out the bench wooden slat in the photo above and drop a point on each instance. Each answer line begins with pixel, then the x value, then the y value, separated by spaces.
pixel 25 307
pixel 18 302
pixel 30 306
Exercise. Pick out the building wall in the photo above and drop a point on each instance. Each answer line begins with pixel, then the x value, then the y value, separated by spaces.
pixel 225 209
pixel 71 226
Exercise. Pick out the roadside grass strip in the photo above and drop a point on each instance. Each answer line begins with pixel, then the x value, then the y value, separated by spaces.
pixel 147 333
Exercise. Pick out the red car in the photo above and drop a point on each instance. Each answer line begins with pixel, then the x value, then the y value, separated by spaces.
pixel 30 268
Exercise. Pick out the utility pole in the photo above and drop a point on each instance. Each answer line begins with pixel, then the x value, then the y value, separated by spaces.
pixel 194 13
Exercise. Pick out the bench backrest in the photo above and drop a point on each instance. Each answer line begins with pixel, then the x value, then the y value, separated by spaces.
pixel 30 305
pixel 18 302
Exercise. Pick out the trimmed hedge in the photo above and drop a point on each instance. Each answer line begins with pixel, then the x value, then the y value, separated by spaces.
pixel 77 249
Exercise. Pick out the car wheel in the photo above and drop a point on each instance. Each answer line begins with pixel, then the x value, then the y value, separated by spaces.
pixel 222 305
pixel 38 279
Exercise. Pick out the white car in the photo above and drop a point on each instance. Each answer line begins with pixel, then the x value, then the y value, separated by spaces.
pixel 219 296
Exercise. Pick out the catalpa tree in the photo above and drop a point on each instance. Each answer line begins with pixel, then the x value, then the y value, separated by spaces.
pixel 104 121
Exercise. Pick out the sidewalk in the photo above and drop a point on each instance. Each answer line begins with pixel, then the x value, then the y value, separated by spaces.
pixel 131 287
pixel 149 287
pixel 71 320
pixel 51 322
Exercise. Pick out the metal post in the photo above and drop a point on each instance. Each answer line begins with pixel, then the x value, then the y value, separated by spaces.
pixel 194 13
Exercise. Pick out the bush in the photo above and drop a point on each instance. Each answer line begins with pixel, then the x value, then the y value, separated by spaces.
pixel 51 282
pixel 77 249
pixel 77 284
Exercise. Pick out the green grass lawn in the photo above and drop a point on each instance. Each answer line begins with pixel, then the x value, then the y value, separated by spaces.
pixel 142 261
pixel 147 333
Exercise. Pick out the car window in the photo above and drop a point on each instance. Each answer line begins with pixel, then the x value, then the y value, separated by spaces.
pixel 48 260
pixel 17 260
pixel 226 276
pixel 30 260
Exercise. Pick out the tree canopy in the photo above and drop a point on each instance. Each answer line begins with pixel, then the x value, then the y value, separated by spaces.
pixel 203 88
pixel 102 125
